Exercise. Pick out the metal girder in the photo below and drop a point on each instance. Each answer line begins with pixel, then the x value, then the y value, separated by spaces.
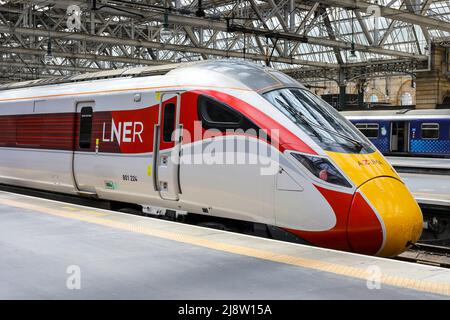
pixel 221 26
pixel 387 32
pixel 263 22
pixel 356 70
pixel 128 33
pixel 312 40
pixel 326 20
pixel 86 56
pixel 278 15
pixel 425 7
pixel 391 13
pixel 193 39
pixel 302 25
pixel 78 36
pixel 412 8
pixel 364 28
pixel 34 65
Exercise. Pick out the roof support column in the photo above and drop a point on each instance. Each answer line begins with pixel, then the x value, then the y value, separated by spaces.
pixel 342 82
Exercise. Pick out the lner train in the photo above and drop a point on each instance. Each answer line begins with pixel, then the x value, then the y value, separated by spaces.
pixel 155 137
pixel 406 132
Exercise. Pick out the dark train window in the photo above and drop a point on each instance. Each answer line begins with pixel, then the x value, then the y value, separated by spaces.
pixel 85 127
pixel 217 115
pixel 370 130
pixel 169 122
pixel 430 130
pixel 214 112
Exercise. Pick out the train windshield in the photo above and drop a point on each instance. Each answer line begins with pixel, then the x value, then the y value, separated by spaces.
pixel 320 121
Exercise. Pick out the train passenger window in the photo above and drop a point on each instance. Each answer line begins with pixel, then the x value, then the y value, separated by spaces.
pixel 430 130
pixel 85 127
pixel 169 122
pixel 370 130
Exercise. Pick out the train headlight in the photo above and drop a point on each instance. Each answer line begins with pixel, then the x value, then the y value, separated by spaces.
pixel 322 168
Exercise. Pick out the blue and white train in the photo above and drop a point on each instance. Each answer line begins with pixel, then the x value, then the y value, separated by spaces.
pixel 406 132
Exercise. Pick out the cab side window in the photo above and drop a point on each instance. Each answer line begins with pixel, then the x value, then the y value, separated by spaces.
pixel 217 115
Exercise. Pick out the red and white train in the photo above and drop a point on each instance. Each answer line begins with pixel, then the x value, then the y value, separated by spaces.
pixel 140 136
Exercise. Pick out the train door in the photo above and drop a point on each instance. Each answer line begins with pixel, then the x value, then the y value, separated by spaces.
pixel 83 149
pixel 399 137
pixel 166 146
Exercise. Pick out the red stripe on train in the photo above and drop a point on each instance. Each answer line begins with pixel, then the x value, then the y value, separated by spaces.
pixel 336 237
pixel 117 130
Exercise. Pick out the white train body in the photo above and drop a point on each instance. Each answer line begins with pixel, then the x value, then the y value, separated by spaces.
pixel 137 140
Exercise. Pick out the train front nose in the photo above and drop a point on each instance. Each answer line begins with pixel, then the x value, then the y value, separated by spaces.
pixel 384 218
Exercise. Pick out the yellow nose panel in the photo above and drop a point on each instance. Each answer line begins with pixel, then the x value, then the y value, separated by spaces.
pixel 363 167
pixel 399 212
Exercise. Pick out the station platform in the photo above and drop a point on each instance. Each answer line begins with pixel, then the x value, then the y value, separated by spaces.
pixel 429 188
pixel 420 163
pixel 122 256
pixel 427 178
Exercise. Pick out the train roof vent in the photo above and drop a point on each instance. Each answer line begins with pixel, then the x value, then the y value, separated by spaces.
pixel 152 71
pixel 105 74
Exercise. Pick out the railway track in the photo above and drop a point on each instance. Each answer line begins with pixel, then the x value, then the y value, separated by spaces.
pixel 427 254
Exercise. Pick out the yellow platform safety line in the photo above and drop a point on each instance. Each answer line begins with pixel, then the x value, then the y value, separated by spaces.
pixel 85 216
pixel 93 212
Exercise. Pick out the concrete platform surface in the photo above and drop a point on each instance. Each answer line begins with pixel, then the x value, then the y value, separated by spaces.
pixel 417 162
pixel 429 188
pixel 55 250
